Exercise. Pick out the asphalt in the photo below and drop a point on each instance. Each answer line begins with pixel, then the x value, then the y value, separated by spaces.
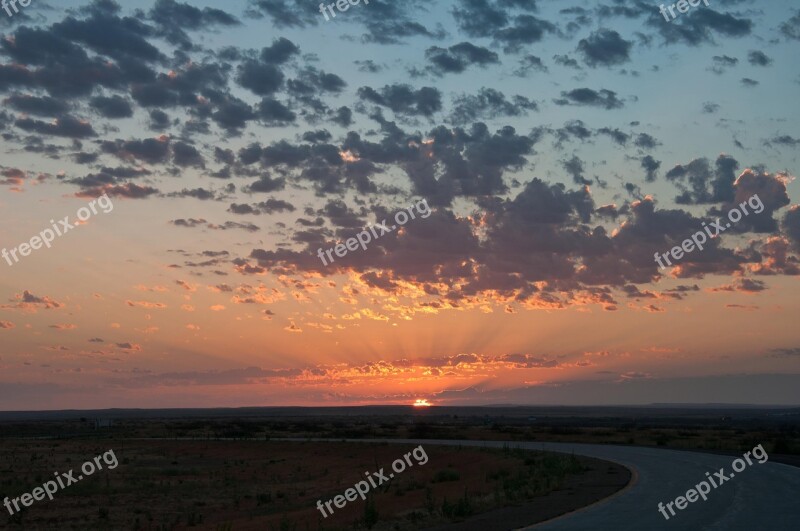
pixel 762 497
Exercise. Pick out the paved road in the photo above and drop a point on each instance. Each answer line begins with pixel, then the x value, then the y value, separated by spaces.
pixel 763 497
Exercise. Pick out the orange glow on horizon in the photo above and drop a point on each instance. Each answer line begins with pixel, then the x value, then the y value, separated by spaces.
pixel 422 402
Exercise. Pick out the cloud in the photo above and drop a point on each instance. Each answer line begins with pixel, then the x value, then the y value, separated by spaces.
pixel 29 302
pixel 758 58
pixel 64 326
pixel 489 104
pixel 403 99
pixel 128 191
pixel 699 26
pixel 67 126
pixel 722 63
pixel 605 47
pixel 146 304
pixel 701 185
pixel 525 30
pixel 112 107
pixel 603 98
pixel 37 105
pixel 197 193
pixel 130 347
pixel 785 352
pixel 458 58
pixel 791 28
pixel 651 166
pixel 228 225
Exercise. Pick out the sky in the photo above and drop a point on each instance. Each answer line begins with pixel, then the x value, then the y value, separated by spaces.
pixel 191 163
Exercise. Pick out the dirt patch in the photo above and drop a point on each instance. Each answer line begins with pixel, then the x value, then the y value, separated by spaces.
pixel 270 485
pixel 601 480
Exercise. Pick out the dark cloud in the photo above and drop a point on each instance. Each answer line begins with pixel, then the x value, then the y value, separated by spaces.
pixel 37 105
pixel 489 104
pixel 110 35
pixel 196 193
pixel 616 135
pixel 67 126
pixel 791 28
pixel 112 106
pixel 701 185
pixel 403 99
pixel 524 31
pixel 267 184
pixel 286 13
pixel 184 155
pixel 458 58
pixel 270 206
pixel 651 166
pixel 391 22
pixel 606 99
pixel 242 209
pixel 771 191
pixel 645 141
pixel 574 167
pixel 232 114
pixel 758 58
pixel 567 61
pixel 783 140
pixel 152 150
pixel 529 63
pixel 786 352
pixel 791 226
pixel 368 65
pixel 573 129
pixel 605 48
pixel 722 63
pixel 172 18
pixel 699 25
pixel 479 18
pixel 261 78
pixel 128 190
pixel 159 120
pixel 321 135
pixel 343 117
pixel 274 113
pixel 280 51
pixel 109 176
pixel 228 225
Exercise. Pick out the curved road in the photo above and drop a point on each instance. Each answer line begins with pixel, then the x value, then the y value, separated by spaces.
pixel 762 497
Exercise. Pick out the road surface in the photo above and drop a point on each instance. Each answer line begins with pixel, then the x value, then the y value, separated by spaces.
pixel 762 497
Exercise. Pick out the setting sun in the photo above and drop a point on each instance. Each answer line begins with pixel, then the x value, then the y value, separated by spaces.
pixel 422 402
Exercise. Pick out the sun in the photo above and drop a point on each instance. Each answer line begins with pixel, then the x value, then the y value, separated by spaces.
pixel 422 402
